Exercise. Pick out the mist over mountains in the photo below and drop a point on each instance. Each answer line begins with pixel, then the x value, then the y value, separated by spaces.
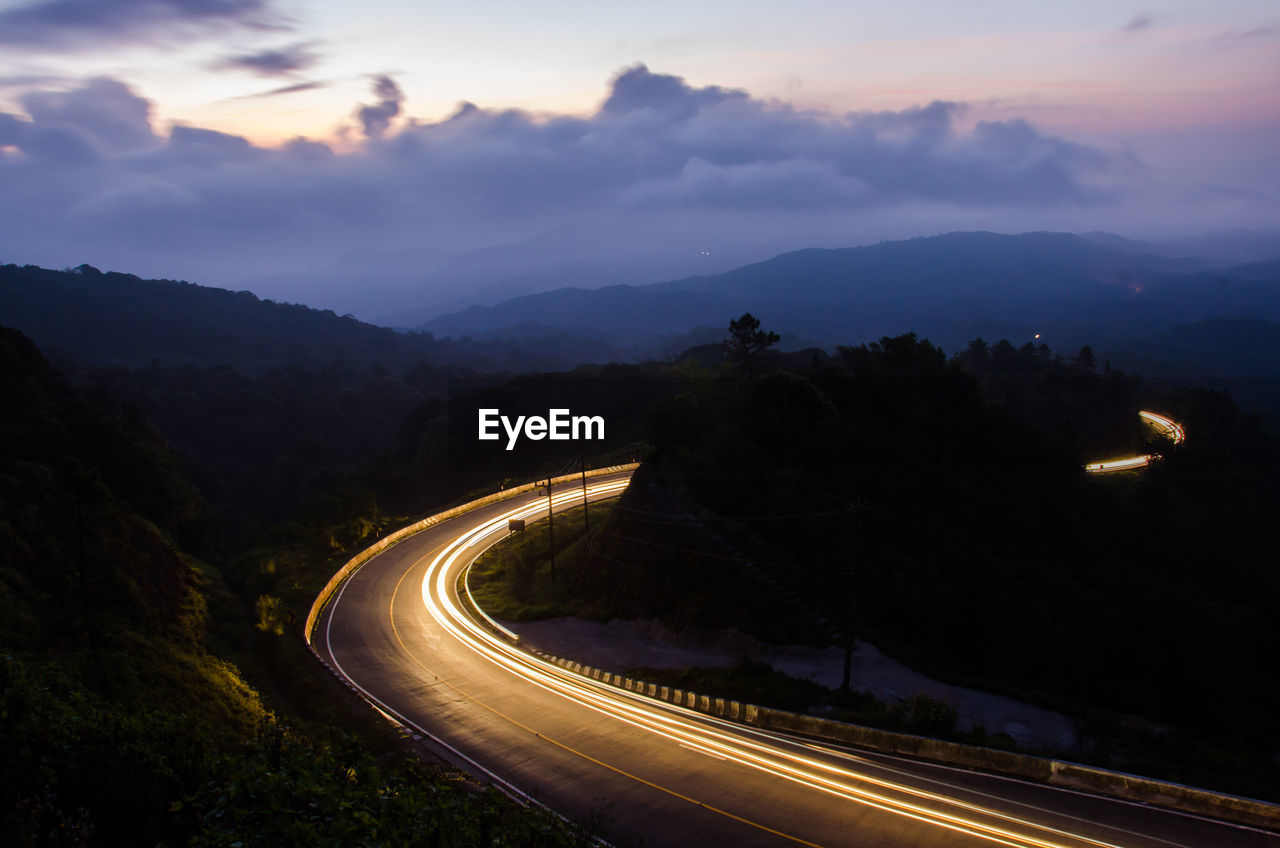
pixel 1197 309
pixel 119 320
pixel 1070 289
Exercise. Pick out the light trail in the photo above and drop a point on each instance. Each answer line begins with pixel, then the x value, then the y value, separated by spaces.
pixel 1167 427
pixel 448 630
pixel 704 734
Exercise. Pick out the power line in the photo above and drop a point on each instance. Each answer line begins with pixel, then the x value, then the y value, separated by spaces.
pixel 848 509
pixel 727 557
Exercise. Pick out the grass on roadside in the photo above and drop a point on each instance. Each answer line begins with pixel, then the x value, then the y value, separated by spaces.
pixel 513 580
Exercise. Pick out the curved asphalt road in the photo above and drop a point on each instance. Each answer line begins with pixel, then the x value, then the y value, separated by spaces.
pixel 659 774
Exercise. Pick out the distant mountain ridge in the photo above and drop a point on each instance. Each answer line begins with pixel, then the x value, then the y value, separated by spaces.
pixel 109 318
pixel 1062 289
pixel 946 286
pixel 119 319
pixel 930 265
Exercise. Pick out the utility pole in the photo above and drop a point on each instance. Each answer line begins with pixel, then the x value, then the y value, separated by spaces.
pixel 582 463
pixel 859 508
pixel 551 535
pixel 848 643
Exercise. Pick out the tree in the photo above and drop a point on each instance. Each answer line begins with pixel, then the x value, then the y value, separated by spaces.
pixel 746 341
pixel 977 359
pixel 1084 361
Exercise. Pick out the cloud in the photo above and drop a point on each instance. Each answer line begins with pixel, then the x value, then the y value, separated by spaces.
pixel 1139 23
pixel 60 23
pixel 11 130
pixel 376 118
pixel 28 81
pixel 104 110
pixel 86 178
pixel 636 88
pixel 790 184
pixel 273 63
pixel 1231 37
pixel 295 88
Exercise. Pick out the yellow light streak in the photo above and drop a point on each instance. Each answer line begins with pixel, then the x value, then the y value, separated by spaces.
pixel 1167 427
pixel 677 724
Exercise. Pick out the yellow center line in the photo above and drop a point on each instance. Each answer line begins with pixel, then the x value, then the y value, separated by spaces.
pixel 672 792
pixel 711 742
pixel 554 679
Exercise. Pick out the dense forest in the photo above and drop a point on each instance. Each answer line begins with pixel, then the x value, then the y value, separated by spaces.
pixel 938 508
pixel 148 696
pixel 975 549
pixel 270 405
pixel 166 519
pixel 110 318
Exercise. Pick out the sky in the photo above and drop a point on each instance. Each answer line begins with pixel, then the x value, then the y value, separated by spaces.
pixel 388 156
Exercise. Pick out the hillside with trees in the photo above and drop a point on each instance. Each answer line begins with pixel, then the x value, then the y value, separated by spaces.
pixel 938 508
pixel 166 519
pixel 115 319
pixel 132 675
pixel 975 548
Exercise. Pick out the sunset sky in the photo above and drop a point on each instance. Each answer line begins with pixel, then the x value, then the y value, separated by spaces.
pixel 166 137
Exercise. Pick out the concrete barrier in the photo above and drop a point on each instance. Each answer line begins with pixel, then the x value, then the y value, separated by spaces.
pixel 1130 787
pixel 317 607
pixel 1234 808
pixel 1162 794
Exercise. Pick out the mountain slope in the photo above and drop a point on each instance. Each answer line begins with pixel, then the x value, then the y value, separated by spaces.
pixel 119 319
pixel 950 287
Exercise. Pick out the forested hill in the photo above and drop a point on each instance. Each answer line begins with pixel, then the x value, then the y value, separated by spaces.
pixel 939 286
pixel 119 319
pixel 100 620
pixel 128 709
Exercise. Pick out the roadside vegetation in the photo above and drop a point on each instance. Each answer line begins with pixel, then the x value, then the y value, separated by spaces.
pixel 513 580
pixel 936 507
pixel 165 525
pixel 150 698
pixel 974 550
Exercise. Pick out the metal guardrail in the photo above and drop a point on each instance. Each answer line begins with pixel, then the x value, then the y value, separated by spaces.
pixel 317 607
pixel 1129 787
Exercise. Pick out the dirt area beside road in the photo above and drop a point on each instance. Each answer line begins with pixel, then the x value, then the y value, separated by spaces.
pixel 618 645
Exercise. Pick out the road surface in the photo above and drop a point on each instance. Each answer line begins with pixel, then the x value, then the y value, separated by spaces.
pixel 1166 427
pixel 660 775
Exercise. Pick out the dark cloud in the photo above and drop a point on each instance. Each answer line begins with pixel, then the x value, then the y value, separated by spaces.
pixel 310 85
pixel 790 184
pixel 91 181
pixel 1242 35
pixel 60 147
pixel 11 130
pixel 47 23
pixel 1139 23
pixel 385 87
pixel 216 146
pixel 376 118
pixel 103 109
pixel 273 63
pixel 638 88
